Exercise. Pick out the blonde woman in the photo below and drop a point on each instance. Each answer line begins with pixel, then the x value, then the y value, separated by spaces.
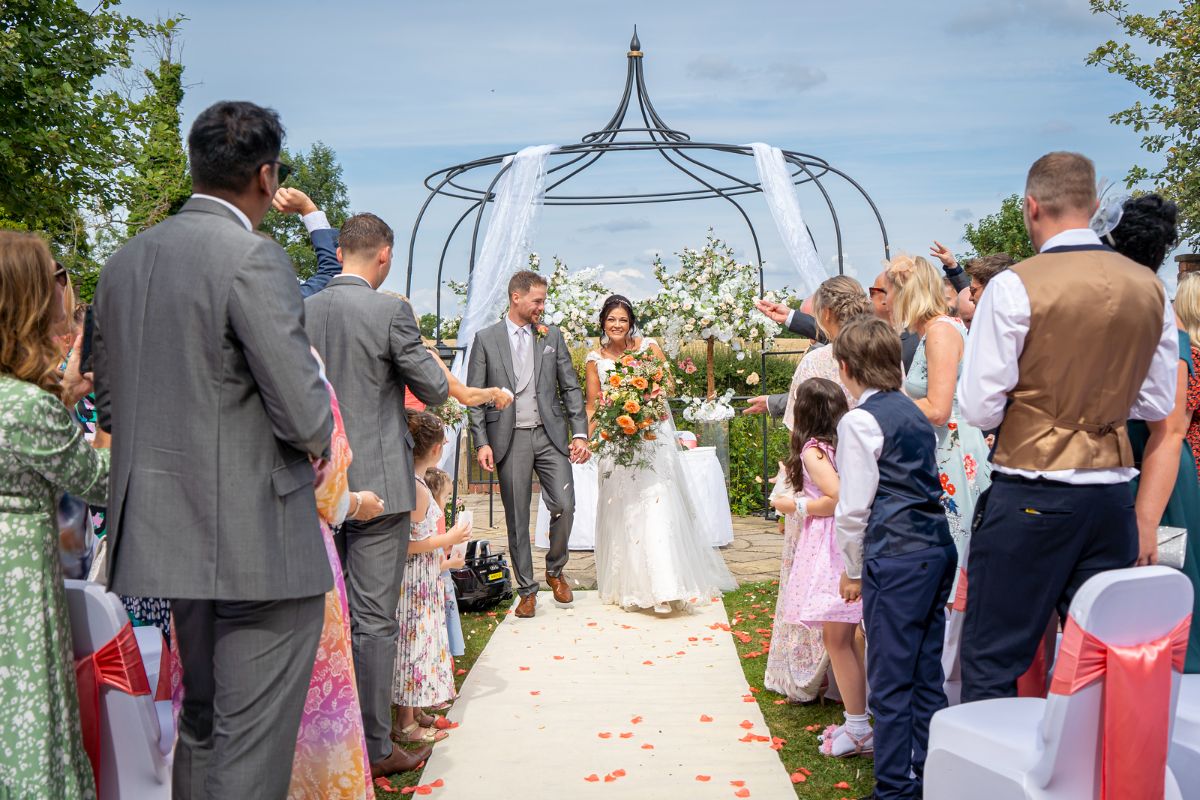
pixel 43 453
pixel 1187 308
pixel 918 304
pixel 797 662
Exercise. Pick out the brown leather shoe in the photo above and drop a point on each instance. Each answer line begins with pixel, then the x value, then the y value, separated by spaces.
pixel 527 607
pixel 563 596
pixel 400 760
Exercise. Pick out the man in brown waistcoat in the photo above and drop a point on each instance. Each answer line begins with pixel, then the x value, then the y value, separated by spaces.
pixel 1065 347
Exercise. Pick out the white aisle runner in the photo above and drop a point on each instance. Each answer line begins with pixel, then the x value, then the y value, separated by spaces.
pixel 622 698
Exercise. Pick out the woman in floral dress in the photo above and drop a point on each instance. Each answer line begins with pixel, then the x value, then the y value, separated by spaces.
pixel 43 453
pixel 918 303
pixel 797 663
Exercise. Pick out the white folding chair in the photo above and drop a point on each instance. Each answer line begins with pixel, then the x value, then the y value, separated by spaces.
pixel 132 765
pixel 1018 748
pixel 1185 737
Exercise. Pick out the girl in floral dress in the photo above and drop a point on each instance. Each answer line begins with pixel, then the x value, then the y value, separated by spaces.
pixel 918 303
pixel 424 675
pixel 813 597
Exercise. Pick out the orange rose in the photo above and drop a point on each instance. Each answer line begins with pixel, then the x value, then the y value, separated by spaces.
pixel 658 376
pixel 640 383
pixel 604 435
pixel 628 361
pixel 649 436
pixel 629 431
pixel 615 380
pixel 632 406
pixel 625 421
pixel 646 423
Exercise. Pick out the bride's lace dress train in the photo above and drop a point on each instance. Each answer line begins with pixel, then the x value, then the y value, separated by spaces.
pixel 651 550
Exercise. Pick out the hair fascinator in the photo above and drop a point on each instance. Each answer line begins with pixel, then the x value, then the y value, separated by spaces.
pixel 1108 215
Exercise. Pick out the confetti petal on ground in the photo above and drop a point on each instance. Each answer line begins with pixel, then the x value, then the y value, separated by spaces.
pixel 647 747
pixel 385 784
pixel 841 785
pixel 535 694
pixel 705 718
pixel 618 773
pixel 604 735
pixel 439 783
pixel 609 778
pixel 742 793
pixel 593 778
pixel 635 721
pixel 704 778
pixel 737 783
pixel 746 724
pixel 627 735
pixel 799 777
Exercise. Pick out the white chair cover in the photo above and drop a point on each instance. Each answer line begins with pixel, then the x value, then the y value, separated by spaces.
pixel 1035 748
pixel 132 765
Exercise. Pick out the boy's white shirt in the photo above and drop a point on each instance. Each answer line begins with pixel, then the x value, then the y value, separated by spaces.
pixel 860 442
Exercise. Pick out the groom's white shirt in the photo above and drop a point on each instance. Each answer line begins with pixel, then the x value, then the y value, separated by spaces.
pixel 515 343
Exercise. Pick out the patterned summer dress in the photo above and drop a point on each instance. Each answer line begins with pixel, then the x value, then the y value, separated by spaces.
pixel 42 454
pixel 424 676
pixel 331 751
pixel 962 454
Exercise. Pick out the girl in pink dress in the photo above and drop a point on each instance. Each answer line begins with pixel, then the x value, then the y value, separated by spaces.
pixel 813 596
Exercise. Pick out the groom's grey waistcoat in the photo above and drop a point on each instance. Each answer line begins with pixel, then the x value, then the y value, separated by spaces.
pixel 552 386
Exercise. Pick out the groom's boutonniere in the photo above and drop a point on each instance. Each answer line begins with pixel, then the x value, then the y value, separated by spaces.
pixel 540 331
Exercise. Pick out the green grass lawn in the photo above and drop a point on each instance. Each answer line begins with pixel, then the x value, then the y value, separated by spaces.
pixel 750 608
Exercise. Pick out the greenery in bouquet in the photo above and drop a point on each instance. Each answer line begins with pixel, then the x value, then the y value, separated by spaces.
pixel 633 401
pixel 451 412
pixel 711 297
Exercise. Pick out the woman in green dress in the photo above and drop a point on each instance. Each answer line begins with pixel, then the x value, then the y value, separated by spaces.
pixel 1166 491
pixel 43 453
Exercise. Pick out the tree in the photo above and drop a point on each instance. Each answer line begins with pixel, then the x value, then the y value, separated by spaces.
pixel 60 133
pixel 157 183
pixel 319 175
pixel 1170 124
pixel 1002 232
pixel 428 325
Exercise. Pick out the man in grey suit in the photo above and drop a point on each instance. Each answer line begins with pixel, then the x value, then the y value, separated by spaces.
pixel 531 434
pixel 207 383
pixel 372 351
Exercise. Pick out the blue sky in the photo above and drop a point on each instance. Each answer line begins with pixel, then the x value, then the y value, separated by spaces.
pixel 937 108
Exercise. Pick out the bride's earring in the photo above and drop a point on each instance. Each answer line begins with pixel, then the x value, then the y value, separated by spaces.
pixel 603 338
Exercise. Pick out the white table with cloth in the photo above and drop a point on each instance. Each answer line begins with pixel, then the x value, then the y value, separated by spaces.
pixel 705 485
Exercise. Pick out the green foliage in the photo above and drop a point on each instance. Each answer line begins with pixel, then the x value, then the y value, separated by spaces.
pixel 158 184
pixel 1169 124
pixel 318 174
pixel 428 325
pixel 61 135
pixel 1002 232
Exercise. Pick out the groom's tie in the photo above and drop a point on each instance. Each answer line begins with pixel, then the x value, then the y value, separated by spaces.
pixel 523 355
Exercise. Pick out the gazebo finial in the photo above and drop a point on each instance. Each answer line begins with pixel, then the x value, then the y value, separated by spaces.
pixel 635 46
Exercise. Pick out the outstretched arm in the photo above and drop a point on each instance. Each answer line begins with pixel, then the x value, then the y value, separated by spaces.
pixel 471 395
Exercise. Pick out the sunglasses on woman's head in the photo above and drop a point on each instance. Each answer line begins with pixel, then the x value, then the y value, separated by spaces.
pixel 874 290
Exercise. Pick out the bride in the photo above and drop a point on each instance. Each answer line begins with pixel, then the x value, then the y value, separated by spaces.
pixel 651 550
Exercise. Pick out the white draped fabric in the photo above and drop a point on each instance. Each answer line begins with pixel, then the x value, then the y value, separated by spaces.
pixel 506 248
pixel 777 187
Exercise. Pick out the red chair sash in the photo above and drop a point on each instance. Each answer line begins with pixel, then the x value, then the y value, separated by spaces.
pixel 1136 707
pixel 960 592
pixel 117 664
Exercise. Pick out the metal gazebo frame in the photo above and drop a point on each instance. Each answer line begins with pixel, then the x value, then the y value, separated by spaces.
pixel 654 135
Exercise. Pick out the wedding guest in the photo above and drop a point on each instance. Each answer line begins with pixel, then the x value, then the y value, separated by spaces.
pixel 1166 488
pixel 441 485
pixel 42 454
pixel 373 351
pixel 966 307
pixel 331 751
pixel 812 596
pixel 983 269
pixel 896 546
pixel 955 275
pixel 218 514
pixel 1058 511
pixel 1187 309
pixel 797 663
pixel 836 301
pixel 322 235
pixel 424 675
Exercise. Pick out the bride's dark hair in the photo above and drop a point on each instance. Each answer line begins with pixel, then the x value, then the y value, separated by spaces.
pixel 617 301
pixel 820 405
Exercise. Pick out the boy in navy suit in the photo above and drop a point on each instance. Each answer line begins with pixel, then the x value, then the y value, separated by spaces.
pixel 896 544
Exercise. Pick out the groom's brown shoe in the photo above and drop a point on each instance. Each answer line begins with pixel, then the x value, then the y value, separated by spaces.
pixel 563 596
pixel 527 607
pixel 400 760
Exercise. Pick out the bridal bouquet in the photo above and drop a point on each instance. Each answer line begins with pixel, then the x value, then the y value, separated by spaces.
pixel 451 412
pixel 632 402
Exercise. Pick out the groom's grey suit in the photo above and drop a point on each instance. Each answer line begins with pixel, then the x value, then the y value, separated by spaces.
pixel 530 435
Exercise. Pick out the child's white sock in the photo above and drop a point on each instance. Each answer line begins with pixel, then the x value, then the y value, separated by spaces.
pixel 842 742
pixel 858 724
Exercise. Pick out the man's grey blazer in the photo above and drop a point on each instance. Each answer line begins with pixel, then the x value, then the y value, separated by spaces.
pixel 372 350
pixel 209 387
pixel 555 379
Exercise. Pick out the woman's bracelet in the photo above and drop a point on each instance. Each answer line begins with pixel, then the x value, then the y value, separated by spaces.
pixel 357 503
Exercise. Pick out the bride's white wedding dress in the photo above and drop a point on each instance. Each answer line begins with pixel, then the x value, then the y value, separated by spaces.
pixel 651 550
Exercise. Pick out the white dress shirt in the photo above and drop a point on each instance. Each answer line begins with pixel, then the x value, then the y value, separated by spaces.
pixel 240 214
pixel 517 340
pixel 860 442
pixel 315 221
pixel 990 369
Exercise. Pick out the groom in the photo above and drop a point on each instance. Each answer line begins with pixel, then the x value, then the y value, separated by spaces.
pixel 530 435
